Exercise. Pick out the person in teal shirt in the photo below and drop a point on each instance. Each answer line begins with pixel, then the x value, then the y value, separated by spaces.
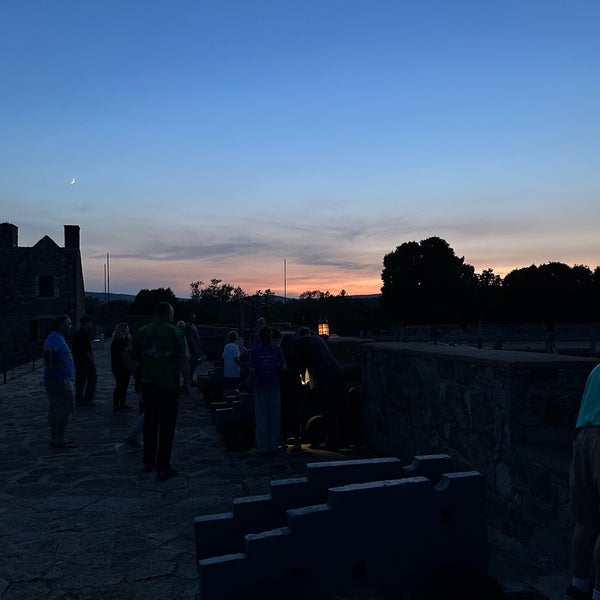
pixel 584 482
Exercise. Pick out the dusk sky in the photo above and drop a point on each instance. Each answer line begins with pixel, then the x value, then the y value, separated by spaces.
pixel 216 138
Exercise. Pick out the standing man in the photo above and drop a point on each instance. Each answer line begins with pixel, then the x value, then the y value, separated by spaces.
pixel 325 379
pixel 58 374
pixel 85 366
pixel 159 354
pixel 585 496
pixel 193 341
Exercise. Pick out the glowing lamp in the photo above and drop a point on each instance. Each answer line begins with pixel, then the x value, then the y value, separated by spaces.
pixel 323 328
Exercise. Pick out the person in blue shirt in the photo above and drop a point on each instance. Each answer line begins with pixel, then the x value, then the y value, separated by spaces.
pixel 266 362
pixel 58 381
pixel 584 482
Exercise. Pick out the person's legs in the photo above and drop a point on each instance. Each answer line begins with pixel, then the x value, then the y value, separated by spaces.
pixel 80 379
pixel 116 393
pixel 52 422
pixel 61 423
pixel 120 393
pixel 137 428
pixel 167 417
pixel 585 508
pixel 261 418
pixel 274 420
pixel 583 544
pixel 91 381
pixel 60 396
pixel 151 400
pixel 229 384
pixel 596 563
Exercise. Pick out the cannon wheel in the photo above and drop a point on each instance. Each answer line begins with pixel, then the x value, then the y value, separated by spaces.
pixel 315 431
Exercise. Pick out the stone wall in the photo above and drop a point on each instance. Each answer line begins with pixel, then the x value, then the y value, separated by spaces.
pixel 509 415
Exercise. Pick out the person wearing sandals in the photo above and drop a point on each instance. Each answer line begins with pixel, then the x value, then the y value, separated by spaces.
pixel 58 381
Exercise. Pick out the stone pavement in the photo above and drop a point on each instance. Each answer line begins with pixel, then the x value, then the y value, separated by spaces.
pixel 89 524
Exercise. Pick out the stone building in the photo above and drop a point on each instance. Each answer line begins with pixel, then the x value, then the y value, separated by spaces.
pixel 36 284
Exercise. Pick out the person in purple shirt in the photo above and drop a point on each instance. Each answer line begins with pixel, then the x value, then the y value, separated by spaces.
pixel 58 374
pixel 266 362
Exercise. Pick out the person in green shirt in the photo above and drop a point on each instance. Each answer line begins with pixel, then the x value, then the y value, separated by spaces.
pixel 158 352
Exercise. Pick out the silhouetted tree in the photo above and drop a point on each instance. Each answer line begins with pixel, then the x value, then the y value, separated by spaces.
pixel 217 302
pixel 196 290
pixel 489 304
pixel 146 300
pixel 425 282
pixel 549 293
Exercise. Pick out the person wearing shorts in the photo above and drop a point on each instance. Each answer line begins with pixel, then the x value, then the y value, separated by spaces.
pixel 58 381
pixel 584 483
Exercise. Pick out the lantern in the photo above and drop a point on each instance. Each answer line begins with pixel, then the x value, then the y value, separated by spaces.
pixel 323 328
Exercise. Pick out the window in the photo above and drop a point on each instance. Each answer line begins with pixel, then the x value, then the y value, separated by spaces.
pixel 46 286
pixel 45 327
pixel 40 329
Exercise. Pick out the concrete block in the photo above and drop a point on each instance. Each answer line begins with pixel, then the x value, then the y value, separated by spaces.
pixel 328 474
pixel 291 493
pixel 432 466
pixel 253 514
pixel 225 418
pixel 269 547
pixel 216 534
pixel 393 534
pixel 215 576
pixel 217 406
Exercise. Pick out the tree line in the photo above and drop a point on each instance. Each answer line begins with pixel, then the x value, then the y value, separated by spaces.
pixel 425 282
pixel 422 283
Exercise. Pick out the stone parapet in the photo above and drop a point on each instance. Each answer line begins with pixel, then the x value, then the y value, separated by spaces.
pixel 510 415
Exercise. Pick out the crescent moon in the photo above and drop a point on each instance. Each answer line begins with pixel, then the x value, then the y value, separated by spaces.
pixel 73 181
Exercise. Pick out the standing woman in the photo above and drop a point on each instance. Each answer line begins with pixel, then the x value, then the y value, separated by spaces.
pixel 120 339
pixel 266 362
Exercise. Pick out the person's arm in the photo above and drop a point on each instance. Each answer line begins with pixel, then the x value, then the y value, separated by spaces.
pixel 89 353
pixel 282 363
pixel 130 362
pixel 50 359
pixel 184 364
pixel 251 366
